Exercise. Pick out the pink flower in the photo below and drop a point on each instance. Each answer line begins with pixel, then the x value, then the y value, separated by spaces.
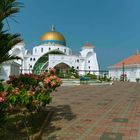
pixel 21 85
pixel 53 84
pixel 15 91
pixel 59 80
pixel 51 77
pixel 52 71
pixel 1 99
pixel 3 94
pixel 47 80
pixel 11 77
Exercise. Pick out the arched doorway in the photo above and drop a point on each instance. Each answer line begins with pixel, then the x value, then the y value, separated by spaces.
pixel 62 67
pixel 62 70
pixel 42 63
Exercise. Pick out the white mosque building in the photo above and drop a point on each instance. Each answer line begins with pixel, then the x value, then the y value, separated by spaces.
pixel 53 52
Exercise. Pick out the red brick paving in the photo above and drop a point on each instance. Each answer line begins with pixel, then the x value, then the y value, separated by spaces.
pixel 87 112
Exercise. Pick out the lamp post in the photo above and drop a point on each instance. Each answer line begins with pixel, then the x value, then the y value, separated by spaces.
pixel 123 72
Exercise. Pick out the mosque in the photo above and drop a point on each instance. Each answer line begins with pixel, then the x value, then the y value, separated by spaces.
pixel 52 52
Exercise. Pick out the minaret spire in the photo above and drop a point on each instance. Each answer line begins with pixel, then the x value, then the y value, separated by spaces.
pixel 53 28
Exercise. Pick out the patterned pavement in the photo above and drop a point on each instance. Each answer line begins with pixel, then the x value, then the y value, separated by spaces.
pixel 108 112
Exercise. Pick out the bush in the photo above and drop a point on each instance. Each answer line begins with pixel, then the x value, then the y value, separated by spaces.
pixel 137 79
pixel 91 76
pixel 27 92
pixel 71 73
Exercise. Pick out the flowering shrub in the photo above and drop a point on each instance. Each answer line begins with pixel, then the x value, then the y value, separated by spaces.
pixel 31 90
pixel 28 91
pixel 24 81
pixel 3 105
pixel 51 82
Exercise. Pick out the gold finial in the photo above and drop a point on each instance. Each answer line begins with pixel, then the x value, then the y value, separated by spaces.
pixel 53 28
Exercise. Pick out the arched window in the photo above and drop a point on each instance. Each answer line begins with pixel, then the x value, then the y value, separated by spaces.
pixel 30 59
pixel 35 50
pixel 41 49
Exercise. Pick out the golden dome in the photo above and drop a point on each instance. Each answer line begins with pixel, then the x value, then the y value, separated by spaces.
pixel 53 36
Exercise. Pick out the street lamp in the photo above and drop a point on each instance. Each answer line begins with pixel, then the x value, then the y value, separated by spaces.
pixel 123 72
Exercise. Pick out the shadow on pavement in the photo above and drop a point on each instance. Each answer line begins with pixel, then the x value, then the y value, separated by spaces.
pixel 60 112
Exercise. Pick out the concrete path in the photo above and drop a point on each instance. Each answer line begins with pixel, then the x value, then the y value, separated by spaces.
pixel 108 112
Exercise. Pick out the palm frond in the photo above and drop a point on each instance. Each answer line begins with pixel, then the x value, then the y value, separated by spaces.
pixel 8 9
pixel 8 58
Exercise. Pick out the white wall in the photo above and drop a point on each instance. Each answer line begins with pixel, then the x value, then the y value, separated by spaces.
pixel 7 69
pixel 131 72
pixel 90 63
pixel 39 51
pixel 56 59
pixel 42 49
pixel 4 72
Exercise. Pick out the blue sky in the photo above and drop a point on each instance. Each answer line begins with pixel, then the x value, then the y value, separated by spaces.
pixel 112 26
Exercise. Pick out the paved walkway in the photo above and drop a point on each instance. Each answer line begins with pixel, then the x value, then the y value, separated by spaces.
pixel 109 112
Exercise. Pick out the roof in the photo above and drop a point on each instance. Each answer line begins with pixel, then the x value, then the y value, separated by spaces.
pixel 88 45
pixel 134 59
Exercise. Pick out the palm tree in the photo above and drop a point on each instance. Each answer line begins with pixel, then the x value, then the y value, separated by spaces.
pixel 7 42
pixel 8 9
